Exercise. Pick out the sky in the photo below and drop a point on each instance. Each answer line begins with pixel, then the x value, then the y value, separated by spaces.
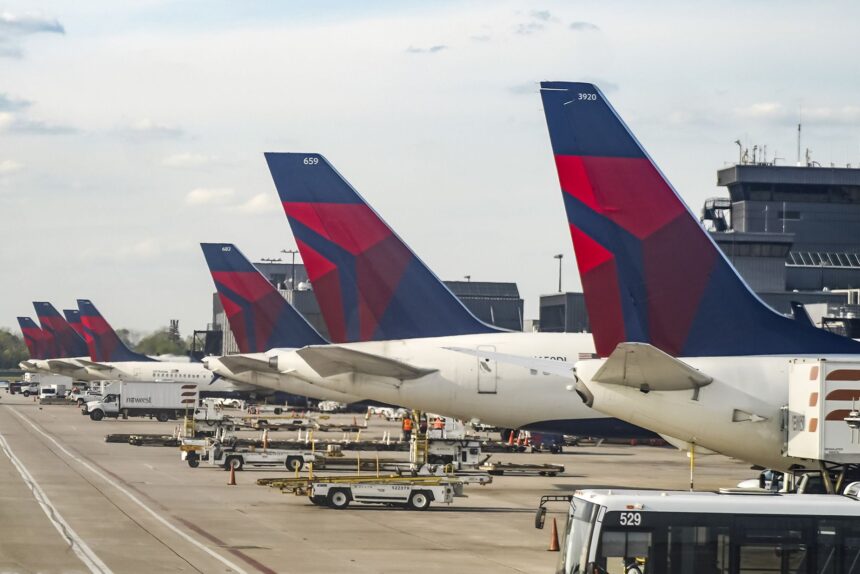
pixel 132 131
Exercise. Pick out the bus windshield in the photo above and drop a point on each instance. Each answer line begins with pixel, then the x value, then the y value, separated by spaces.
pixel 577 534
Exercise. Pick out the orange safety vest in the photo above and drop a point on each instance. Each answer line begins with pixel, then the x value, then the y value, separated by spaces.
pixel 407 424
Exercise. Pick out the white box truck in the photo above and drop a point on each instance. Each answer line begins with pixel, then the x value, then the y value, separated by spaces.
pixel 34 381
pixel 162 400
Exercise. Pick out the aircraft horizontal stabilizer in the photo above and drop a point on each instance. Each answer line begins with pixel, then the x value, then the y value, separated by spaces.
pixel 560 368
pixel 647 368
pixel 81 363
pixel 241 364
pixel 331 360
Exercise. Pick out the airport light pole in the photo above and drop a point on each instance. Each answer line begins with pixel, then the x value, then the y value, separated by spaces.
pixel 292 267
pixel 468 278
pixel 560 256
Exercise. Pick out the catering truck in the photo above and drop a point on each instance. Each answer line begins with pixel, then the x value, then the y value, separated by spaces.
pixel 162 400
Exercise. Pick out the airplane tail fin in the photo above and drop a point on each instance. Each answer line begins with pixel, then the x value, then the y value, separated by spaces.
pixel 369 284
pixel 68 342
pixel 73 316
pixel 39 343
pixel 103 342
pixel 649 271
pixel 260 318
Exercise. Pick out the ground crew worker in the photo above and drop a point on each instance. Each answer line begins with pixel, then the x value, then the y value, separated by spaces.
pixel 439 423
pixel 407 428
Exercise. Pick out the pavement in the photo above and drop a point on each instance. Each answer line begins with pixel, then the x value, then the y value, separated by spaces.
pixel 70 502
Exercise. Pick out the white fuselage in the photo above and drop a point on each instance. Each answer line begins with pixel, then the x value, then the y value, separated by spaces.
pixel 157 371
pixel 498 394
pixel 739 414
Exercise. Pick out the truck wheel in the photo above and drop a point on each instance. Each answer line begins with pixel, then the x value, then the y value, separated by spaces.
pixel 234 462
pixel 26 393
pixel 317 500
pixel 295 463
pixel 162 417
pixel 193 462
pixel 419 500
pixel 97 415
pixel 279 410
pixel 338 498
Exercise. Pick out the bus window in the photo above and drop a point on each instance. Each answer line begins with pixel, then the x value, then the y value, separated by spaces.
pixel 700 549
pixel 767 546
pixel 625 552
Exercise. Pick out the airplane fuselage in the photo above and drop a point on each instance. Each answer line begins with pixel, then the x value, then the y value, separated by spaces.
pixel 493 393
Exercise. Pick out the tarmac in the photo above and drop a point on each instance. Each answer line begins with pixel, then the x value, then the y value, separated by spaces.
pixel 70 502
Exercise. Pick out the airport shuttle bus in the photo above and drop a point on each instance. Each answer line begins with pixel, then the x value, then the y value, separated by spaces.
pixel 658 532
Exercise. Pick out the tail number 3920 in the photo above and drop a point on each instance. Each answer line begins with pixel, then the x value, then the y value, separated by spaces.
pixel 582 96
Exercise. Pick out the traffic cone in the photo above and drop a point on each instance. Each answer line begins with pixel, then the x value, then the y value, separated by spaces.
pixel 511 439
pixel 354 422
pixel 553 541
pixel 232 481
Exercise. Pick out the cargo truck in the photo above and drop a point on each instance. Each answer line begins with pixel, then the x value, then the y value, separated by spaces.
pixel 34 381
pixel 164 400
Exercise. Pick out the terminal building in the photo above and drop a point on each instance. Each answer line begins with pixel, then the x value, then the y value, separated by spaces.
pixel 494 303
pixel 792 232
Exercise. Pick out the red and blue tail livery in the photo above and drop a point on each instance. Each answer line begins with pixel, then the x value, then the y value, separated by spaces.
pixel 260 318
pixel 650 272
pixel 67 342
pixel 73 316
pixel 103 342
pixel 39 344
pixel 369 284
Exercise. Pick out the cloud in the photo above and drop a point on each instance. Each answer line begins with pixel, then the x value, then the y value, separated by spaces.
pixel 10 104
pixel 14 123
pixel 525 88
pixel 778 113
pixel 260 203
pixel 146 128
pixel 480 38
pixel 8 166
pixel 209 196
pixel 528 28
pixel 187 160
pixel 584 27
pixel 13 28
pixel 541 15
pixel 430 50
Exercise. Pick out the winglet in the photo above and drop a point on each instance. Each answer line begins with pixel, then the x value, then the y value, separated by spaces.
pixel 369 284
pixel 260 318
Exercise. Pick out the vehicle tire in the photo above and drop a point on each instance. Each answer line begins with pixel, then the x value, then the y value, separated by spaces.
pixel 317 500
pixel 97 415
pixel 278 410
pixel 295 463
pixel 162 417
pixel 27 394
pixel 338 498
pixel 193 462
pixel 419 500
pixel 80 402
pixel 234 461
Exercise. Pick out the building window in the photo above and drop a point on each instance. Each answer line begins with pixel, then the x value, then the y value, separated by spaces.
pixel 789 214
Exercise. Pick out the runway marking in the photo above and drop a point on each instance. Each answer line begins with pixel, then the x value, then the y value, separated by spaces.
pixel 132 497
pixel 77 544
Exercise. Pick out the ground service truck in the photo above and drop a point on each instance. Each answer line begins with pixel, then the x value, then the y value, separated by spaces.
pixel 163 400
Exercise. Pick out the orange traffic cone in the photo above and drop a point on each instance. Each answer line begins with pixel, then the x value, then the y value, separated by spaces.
pixel 232 481
pixel 511 438
pixel 553 541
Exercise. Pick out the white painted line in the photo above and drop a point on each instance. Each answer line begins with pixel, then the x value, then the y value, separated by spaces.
pixel 131 496
pixel 78 546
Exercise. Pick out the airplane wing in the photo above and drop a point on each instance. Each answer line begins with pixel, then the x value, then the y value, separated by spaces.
pixel 92 365
pixel 241 364
pixel 559 368
pixel 644 367
pixel 330 360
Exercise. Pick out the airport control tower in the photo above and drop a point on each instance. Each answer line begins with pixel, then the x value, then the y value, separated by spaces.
pixel 793 232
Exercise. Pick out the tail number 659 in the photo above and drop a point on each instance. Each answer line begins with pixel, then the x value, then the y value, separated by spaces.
pixel 311 160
